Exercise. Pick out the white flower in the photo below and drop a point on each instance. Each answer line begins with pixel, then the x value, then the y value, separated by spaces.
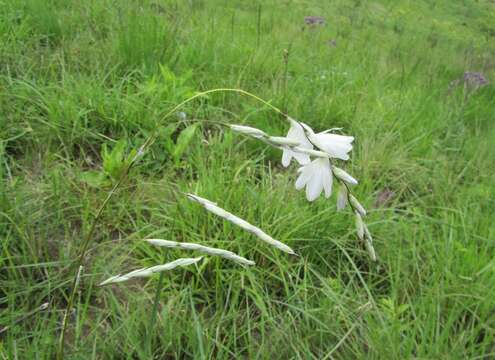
pixel 337 146
pixel 316 176
pixel 296 132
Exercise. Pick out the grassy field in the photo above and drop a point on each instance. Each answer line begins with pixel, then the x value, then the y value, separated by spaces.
pixel 84 83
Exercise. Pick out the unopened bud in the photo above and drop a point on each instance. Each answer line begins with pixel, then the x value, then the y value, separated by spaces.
pixel 359 226
pixel 343 176
pixel 248 130
pixel 357 206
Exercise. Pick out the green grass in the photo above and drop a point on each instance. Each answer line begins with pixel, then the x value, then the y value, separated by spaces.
pixel 77 77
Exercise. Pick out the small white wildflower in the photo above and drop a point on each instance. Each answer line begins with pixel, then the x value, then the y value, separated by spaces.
pixel 248 130
pixel 182 115
pixel 212 207
pixel 296 132
pixel 344 176
pixel 357 206
pixel 317 177
pixel 207 250
pixel 337 146
pixel 342 198
pixel 146 272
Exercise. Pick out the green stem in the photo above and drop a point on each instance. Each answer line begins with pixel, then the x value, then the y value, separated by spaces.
pixel 154 311
pixel 148 142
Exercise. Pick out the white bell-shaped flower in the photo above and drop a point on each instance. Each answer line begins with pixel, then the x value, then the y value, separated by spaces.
pixel 337 146
pixel 317 177
pixel 296 132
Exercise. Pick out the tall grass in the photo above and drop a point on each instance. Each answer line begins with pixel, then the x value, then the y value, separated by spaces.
pixel 74 77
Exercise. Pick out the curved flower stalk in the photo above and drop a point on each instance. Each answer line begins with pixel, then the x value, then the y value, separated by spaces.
pixel 147 272
pixel 215 209
pixel 204 249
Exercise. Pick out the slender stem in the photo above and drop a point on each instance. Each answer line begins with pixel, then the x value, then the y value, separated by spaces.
pixel 154 310
pixel 89 237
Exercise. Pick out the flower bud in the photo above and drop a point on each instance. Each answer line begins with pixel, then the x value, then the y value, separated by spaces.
pixel 371 250
pixel 343 176
pixel 248 130
pixel 359 226
pixel 357 206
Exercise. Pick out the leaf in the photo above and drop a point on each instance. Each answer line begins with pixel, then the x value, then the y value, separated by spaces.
pixel 166 133
pixel 183 141
pixel 94 178
pixel 114 161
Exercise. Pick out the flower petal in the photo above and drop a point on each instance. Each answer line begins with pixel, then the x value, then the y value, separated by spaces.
pixel 336 146
pixel 296 132
pixel 314 188
pixel 286 157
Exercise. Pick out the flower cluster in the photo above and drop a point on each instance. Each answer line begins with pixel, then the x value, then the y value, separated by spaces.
pixel 314 152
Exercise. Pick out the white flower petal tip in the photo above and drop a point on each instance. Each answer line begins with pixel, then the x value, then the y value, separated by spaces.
pixel 213 208
pixel 207 250
pixel 357 205
pixel 297 133
pixel 147 272
pixel 248 130
pixel 283 141
pixel 344 176
pixel 316 177
pixel 337 146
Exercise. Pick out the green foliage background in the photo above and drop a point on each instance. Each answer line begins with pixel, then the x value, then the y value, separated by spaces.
pixel 83 83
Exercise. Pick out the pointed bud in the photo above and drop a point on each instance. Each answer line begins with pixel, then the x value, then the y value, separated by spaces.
pixel 371 250
pixel 367 233
pixel 359 226
pixel 343 176
pixel 248 130
pixel 357 206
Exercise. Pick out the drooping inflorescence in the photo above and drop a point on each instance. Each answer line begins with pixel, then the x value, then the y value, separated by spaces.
pixel 316 171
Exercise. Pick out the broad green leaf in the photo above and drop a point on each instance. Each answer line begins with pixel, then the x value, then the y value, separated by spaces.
pixel 183 141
